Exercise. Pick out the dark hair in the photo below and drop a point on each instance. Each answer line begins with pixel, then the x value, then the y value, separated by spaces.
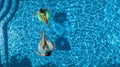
pixel 41 10
pixel 48 53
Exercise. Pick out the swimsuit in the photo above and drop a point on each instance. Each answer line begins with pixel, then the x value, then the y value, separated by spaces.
pixel 47 14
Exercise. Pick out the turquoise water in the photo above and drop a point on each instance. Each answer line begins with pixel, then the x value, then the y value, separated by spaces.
pixel 85 33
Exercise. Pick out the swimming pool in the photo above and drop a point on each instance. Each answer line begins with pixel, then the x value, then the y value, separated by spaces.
pixel 85 33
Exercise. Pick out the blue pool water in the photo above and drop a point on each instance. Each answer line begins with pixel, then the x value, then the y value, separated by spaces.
pixel 85 33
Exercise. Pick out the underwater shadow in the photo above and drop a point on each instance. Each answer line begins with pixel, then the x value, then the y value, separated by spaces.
pixel 62 43
pixel 48 65
pixel 14 62
pixel 113 65
pixel 110 64
pixel 60 17
pixel 1 65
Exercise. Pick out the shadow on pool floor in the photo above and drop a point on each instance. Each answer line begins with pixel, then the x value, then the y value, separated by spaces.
pixel 14 62
pixel 48 65
pixel 60 17
pixel 111 64
pixel 1 65
pixel 114 65
pixel 62 43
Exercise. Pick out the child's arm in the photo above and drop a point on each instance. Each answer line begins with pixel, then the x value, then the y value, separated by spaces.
pixel 37 52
